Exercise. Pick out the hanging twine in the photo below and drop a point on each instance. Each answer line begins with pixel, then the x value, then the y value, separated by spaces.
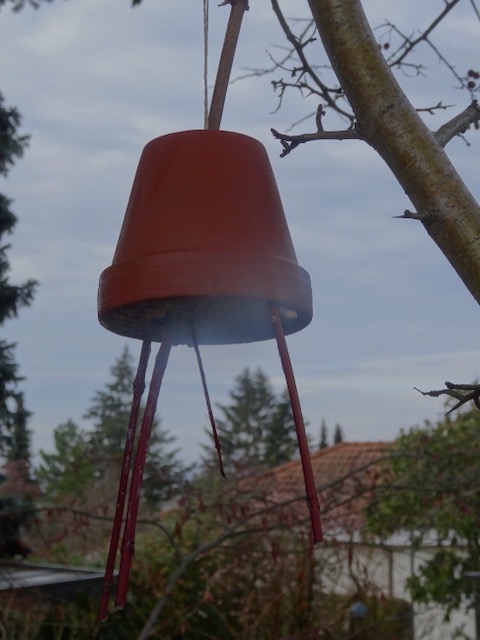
pixel 205 63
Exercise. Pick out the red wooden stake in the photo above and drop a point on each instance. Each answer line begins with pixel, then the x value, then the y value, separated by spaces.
pixel 128 543
pixel 311 492
pixel 216 439
pixel 138 389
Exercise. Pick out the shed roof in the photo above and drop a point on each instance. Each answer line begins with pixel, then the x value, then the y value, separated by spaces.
pixel 59 580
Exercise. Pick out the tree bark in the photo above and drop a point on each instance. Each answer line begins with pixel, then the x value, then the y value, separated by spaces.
pixel 390 124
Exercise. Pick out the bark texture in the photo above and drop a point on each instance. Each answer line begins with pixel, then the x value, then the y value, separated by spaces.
pixel 390 124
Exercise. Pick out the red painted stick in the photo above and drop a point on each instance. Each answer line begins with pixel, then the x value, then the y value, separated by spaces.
pixel 216 439
pixel 128 543
pixel 311 492
pixel 138 389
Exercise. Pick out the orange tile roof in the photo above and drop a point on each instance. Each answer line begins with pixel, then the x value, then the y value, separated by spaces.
pixel 345 476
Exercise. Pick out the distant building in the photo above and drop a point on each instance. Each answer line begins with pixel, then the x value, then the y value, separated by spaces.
pixel 346 476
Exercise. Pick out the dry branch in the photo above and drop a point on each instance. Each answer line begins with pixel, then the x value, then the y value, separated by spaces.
pixel 459 124
pixel 462 392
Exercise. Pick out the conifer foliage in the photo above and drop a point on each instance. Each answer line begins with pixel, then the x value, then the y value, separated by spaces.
pixel 17 490
pixel 109 413
pixel 256 429
pixel 13 415
pixel 87 458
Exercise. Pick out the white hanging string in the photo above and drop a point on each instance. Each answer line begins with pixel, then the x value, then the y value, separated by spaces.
pixel 205 64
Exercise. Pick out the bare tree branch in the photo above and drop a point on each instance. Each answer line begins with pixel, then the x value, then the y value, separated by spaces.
pixel 458 124
pixel 289 143
pixel 409 44
pixel 306 68
pixel 475 9
pixel 462 392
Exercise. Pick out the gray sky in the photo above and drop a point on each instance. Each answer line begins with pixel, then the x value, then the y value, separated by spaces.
pixel 95 81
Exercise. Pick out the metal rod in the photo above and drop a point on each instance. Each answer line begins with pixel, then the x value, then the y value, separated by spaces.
pixel 138 389
pixel 128 543
pixel 311 491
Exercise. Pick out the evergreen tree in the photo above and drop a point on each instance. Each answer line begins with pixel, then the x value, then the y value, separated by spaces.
pixel 68 471
pixel 20 437
pixel 244 424
pixel 16 487
pixel 256 428
pixel 109 409
pixel 323 435
pixel 86 459
pixel 18 490
pixel 280 440
pixel 109 412
pixel 12 297
pixel 338 434
pixel 17 501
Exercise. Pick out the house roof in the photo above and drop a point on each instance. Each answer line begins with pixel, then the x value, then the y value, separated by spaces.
pixel 54 580
pixel 345 476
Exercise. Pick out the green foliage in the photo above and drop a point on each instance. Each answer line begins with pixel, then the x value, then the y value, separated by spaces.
pixel 17 494
pixel 430 489
pixel 13 415
pixel 68 471
pixel 442 580
pixel 8 383
pixel 12 144
pixel 19 438
pixel 324 440
pixel 338 434
pixel 16 488
pixel 12 297
pixel 109 409
pixel 280 437
pixel 265 584
pixel 83 459
pixel 109 412
pixel 256 429
pixel 323 435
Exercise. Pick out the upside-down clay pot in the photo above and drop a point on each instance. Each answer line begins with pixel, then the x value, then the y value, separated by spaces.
pixel 204 246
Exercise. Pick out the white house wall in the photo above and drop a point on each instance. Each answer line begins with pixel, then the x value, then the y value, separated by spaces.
pixel 385 570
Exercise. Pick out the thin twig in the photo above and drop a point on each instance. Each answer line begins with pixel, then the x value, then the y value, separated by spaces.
pixel 306 68
pixel 411 215
pixel 409 44
pixel 211 417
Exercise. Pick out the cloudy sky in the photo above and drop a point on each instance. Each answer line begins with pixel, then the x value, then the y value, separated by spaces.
pixel 95 81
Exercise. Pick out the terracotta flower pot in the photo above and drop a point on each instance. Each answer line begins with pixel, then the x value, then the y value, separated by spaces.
pixel 204 243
